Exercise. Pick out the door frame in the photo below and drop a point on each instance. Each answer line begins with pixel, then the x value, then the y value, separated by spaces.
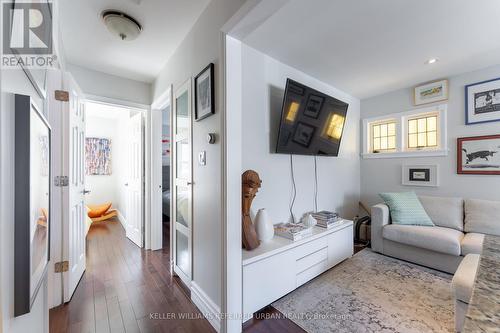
pixel 144 110
pixel 156 225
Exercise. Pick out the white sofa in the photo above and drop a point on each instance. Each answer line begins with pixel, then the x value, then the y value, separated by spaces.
pixel 459 229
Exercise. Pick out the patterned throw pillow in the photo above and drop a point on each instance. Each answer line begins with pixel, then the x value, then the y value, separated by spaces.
pixel 406 209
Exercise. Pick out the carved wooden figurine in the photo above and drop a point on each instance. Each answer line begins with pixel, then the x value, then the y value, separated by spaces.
pixel 250 186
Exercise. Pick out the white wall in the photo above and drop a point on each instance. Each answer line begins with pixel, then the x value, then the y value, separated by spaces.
pixel 263 86
pixel 201 46
pixel 110 86
pixel 384 175
pixel 105 188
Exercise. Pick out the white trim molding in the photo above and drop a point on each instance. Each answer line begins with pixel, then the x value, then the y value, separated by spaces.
pixel 207 307
pixel 401 134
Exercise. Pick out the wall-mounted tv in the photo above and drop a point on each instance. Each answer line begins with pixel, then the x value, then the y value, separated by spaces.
pixel 312 123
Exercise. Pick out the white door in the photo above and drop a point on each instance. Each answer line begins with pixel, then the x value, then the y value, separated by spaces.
pixel 181 195
pixel 74 167
pixel 134 185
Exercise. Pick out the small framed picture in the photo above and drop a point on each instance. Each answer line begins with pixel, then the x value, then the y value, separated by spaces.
pixel 303 134
pixel 204 93
pixel 420 175
pixel 482 102
pixel 313 106
pixel 479 155
pixel 431 92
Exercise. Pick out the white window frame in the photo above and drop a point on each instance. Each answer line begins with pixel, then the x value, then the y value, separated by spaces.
pixel 401 120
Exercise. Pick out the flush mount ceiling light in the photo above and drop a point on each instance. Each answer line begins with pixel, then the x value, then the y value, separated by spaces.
pixel 121 25
pixel 431 61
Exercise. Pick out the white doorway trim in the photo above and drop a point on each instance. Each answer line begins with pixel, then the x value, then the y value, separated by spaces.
pixel 155 118
pixel 144 110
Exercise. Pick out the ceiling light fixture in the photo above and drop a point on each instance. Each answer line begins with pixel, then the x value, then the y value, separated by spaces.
pixel 121 25
pixel 431 61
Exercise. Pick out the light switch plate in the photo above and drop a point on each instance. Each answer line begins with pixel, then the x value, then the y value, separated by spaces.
pixel 202 158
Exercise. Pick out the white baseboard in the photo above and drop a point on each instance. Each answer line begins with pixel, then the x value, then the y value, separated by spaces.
pixel 122 220
pixel 207 307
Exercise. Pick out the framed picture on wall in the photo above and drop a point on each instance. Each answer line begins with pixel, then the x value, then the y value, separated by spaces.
pixel 31 202
pixel 431 92
pixel 420 175
pixel 482 102
pixel 204 93
pixel 479 155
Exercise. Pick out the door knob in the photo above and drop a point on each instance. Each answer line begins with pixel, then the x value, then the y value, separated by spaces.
pixel 86 191
pixel 190 183
pixel 126 184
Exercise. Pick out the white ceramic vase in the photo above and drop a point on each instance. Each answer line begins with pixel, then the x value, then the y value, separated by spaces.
pixel 263 226
pixel 309 221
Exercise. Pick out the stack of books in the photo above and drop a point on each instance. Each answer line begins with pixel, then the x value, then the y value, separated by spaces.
pixel 293 231
pixel 327 219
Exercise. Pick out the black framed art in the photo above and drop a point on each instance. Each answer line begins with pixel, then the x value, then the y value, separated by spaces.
pixel 482 102
pixel 31 202
pixel 204 83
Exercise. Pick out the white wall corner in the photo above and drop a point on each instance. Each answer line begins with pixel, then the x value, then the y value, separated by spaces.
pixel 122 219
pixel 207 307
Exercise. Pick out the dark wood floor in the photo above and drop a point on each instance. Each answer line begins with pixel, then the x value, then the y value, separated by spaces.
pixel 126 289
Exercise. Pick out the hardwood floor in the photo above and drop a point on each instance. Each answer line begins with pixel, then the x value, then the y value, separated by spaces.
pixel 126 289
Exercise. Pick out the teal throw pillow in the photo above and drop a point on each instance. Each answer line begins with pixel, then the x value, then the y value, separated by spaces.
pixel 406 209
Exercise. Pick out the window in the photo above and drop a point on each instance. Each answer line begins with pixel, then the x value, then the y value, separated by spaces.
pixel 420 132
pixel 383 137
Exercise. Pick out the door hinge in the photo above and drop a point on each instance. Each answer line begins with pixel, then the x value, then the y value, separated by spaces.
pixel 61 95
pixel 61 266
pixel 61 181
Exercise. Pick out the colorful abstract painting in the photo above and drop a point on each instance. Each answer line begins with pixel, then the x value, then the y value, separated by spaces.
pixel 97 156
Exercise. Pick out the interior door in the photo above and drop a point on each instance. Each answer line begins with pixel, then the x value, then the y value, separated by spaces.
pixel 74 167
pixel 181 194
pixel 134 210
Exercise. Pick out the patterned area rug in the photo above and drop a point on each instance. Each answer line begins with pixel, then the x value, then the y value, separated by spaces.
pixel 373 293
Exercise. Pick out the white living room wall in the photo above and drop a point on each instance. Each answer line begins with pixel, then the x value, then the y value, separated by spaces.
pixel 263 83
pixel 202 46
pixel 384 175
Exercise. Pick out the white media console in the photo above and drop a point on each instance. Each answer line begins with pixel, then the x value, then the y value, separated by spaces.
pixel 279 266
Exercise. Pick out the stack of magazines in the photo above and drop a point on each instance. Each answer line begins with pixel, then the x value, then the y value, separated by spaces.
pixel 327 219
pixel 293 231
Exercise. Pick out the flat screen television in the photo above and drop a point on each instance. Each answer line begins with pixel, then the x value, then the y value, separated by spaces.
pixel 312 123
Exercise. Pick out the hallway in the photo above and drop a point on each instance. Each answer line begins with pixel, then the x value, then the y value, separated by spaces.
pixel 126 289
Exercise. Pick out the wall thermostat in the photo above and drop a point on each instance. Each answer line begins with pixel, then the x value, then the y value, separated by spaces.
pixel 211 138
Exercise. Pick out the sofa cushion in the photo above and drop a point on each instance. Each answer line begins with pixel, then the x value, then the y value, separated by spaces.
pixel 439 239
pixel 482 216
pixel 463 280
pixel 444 212
pixel 472 243
pixel 406 209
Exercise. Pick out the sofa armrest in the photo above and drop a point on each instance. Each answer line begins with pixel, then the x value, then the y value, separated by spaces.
pixel 380 218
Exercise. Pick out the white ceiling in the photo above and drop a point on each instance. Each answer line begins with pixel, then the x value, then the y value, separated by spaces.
pixel 88 43
pixel 368 48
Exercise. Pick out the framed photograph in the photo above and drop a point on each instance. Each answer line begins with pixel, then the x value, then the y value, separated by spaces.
pixel 420 175
pixel 479 155
pixel 431 92
pixel 31 202
pixel 97 156
pixel 303 134
pixel 482 102
pixel 313 106
pixel 204 93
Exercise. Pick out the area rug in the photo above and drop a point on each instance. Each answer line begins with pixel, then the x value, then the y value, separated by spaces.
pixel 372 293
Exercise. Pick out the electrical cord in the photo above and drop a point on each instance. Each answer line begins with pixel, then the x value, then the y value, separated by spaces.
pixel 315 184
pixel 294 189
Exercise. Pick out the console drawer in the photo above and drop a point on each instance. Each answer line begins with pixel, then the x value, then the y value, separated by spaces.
pixel 311 272
pixel 311 259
